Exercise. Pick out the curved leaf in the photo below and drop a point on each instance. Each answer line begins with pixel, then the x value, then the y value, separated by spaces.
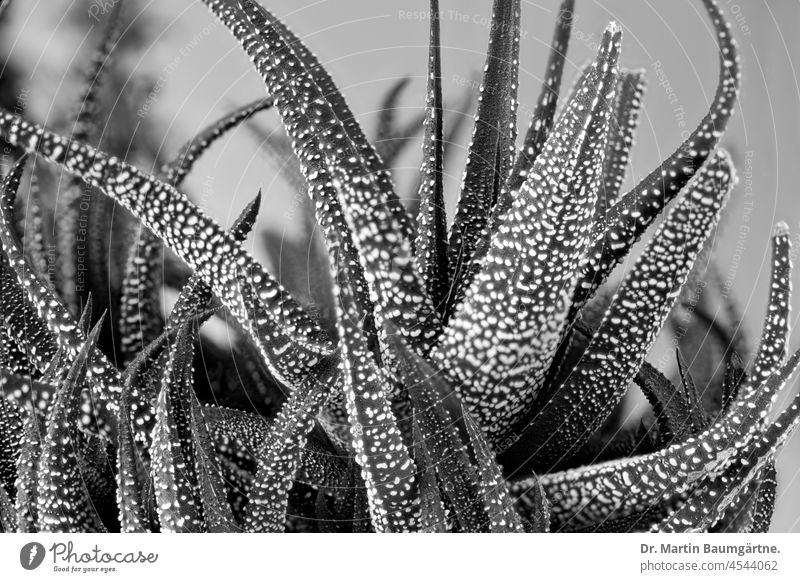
pixel 637 209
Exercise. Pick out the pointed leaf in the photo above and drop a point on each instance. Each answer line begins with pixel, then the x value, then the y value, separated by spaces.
pixel 433 517
pixel 524 289
pixel 280 453
pixel 636 210
pixel 346 176
pixel 216 510
pixel 77 244
pixel 726 450
pixel 173 469
pixel 431 244
pixel 288 340
pixel 386 465
pixel 342 111
pixel 175 171
pixel 497 503
pixel 534 507
pixel 102 376
pixel 387 116
pixel 624 122
pixel 632 322
pixel 378 227
pixel 698 418
pixel 63 502
pixel 130 475
pixel 545 112
pixel 491 150
pixel 669 407
pixel 31 343
pixel 196 295
pixel 140 313
pixel 775 335
pixel 437 415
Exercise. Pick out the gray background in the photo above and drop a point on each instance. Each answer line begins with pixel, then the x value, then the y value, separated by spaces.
pixel 368 45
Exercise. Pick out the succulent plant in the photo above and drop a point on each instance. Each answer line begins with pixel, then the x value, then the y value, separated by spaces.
pixel 433 376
